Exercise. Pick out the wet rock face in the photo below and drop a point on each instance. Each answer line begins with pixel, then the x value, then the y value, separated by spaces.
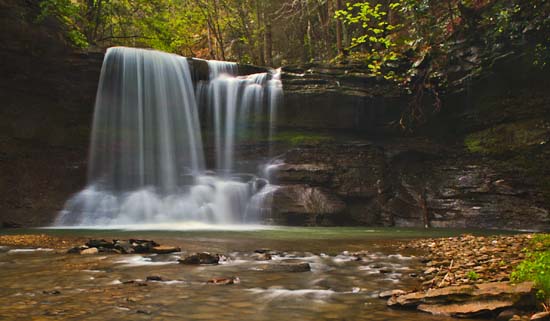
pixel 351 170
pixel 304 205
pixel 321 184
pixel 314 92
pixel 461 192
pixel 408 182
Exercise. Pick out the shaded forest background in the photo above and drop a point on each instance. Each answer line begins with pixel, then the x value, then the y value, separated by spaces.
pixel 283 32
pixel 424 46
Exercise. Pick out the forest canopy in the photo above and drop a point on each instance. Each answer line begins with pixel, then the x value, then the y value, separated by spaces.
pixel 423 45
pixel 276 32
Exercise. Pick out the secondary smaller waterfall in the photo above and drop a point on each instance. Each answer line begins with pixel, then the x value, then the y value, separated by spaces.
pixel 147 162
pixel 236 106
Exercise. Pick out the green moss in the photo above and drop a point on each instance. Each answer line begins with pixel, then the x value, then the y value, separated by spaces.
pixel 508 137
pixel 301 138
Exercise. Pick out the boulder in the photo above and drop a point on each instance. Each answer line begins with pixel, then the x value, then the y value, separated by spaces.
pixel 200 258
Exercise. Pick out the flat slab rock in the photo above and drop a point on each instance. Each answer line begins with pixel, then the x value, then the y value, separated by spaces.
pixel 467 309
pixel 467 300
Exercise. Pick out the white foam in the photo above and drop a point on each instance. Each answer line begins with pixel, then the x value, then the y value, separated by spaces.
pixel 278 293
pixel 30 250
pixel 141 261
pixel 174 226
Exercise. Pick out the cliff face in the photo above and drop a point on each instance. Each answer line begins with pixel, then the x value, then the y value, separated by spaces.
pixel 480 163
pixel 46 93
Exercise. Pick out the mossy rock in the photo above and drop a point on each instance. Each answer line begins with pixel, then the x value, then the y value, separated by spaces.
pixel 508 137
pixel 302 138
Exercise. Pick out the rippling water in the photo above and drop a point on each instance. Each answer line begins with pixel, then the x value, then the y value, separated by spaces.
pixel 50 285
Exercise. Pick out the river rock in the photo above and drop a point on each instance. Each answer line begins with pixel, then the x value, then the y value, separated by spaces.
pixel 90 251
pixel 200 258
pixel 143 246
pixel 468 300
pixel 100 244
pixel 541 316
pixel 123 246
pixel 165 249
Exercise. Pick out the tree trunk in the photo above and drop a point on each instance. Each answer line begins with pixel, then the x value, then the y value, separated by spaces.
pixel 339 36
pixel 259 40
pixel 268 41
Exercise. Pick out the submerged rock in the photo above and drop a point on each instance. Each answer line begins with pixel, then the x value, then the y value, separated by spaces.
pixel 200 258
pixel 285 266
pixel 261 256
pixel 224 281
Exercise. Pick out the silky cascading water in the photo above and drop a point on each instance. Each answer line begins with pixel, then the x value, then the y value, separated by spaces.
pixel 146 160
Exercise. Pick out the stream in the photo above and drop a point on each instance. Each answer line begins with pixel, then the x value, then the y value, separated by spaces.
pixel 48 284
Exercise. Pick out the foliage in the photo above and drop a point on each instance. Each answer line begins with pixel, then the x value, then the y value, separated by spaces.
pixel 376 35
pixel 472 275
pixel 425 46
pixel 536 267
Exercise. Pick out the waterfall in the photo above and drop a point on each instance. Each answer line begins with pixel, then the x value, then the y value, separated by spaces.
pixel 147 161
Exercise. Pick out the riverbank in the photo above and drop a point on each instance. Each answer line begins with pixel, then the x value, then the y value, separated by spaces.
pixel 469 276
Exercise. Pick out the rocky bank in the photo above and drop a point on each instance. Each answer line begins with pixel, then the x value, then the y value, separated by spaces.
pixel 469 276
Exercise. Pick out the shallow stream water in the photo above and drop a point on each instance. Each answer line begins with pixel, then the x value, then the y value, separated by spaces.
pixel 45 284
